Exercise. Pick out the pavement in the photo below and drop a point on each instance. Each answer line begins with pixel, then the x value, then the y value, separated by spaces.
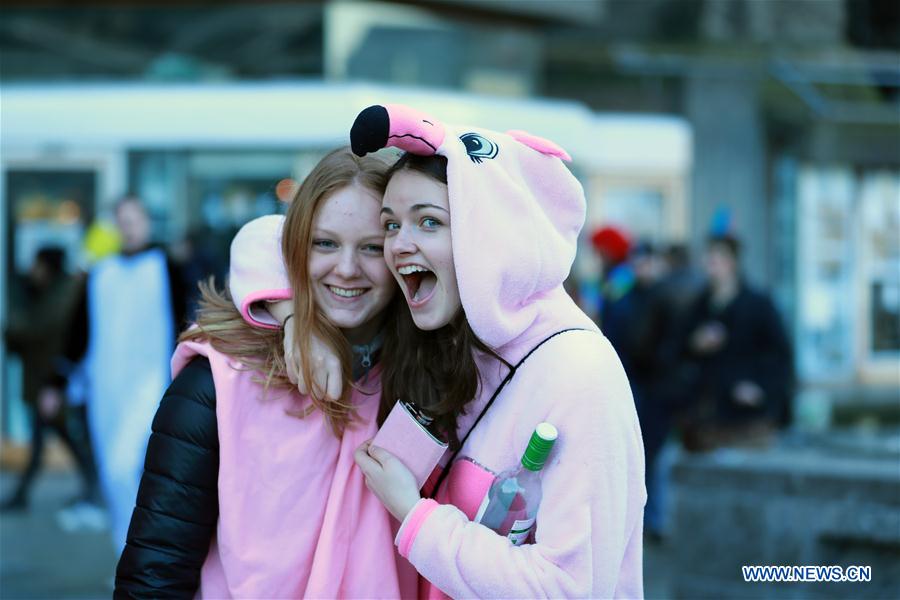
pixel 38 559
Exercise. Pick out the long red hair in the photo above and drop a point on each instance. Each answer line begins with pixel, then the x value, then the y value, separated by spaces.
pixel 337 170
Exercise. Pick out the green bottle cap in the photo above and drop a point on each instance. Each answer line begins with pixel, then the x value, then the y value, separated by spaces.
pixel 539 447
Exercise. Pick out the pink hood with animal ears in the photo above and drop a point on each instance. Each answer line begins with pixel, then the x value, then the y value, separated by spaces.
pixel 515 211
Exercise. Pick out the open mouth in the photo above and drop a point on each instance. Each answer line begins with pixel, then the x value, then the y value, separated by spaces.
pixel 420 282
pixel 348 293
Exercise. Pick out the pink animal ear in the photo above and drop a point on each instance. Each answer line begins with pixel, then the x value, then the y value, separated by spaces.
pixel 542 145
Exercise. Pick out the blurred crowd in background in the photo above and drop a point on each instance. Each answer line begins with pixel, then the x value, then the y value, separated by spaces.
pixel 741 162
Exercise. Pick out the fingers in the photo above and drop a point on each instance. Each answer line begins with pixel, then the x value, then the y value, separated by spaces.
pixel 302 384
pixel 380 454
pixel 327 373
pixel 296 373
pixel 328 379
pixel 292 372
pixel 366 463
pixel 321 377
pixel 361 454
pixel 335 380
pixel 290 361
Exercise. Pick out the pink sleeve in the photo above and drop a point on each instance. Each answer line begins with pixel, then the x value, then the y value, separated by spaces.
pixel 411 525
pixel 257 272
pixel 254 311
pixel 589 524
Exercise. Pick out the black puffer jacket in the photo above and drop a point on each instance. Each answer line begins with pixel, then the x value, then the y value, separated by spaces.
pixel 178 501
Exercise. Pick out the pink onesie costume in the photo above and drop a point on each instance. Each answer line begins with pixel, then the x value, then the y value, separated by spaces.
pixel 516 213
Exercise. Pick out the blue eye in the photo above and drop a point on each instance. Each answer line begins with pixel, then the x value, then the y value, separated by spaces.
pixel 373 249
pixel 430 223
pixel 324 244
pixel 478 146
pixel 391 226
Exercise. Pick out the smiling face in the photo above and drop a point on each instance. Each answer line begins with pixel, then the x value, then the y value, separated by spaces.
pixel 415 214
pixel 350 282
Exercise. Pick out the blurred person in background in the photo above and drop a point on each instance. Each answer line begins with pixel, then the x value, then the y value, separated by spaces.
pixel 624 310
pixel 124 332
pixel 734 338
pixel 614 244
pixel 250 489
pixel 39 317
pixel 658 378
pixel 199 255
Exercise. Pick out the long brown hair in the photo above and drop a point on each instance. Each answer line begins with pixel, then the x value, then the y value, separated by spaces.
pixel 337 170
pixel 436 370
pixel 220 323
pixel 257 349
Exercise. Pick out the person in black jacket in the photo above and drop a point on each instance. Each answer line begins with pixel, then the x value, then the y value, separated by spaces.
pixel 736 347
pixel 39 318
pixel 249 487
pixel 657 378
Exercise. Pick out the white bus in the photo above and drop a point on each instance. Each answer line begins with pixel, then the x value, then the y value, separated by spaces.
pixel 207 157
pixel 210 155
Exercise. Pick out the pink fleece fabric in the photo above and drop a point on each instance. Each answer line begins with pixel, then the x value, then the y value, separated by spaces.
pixel 258 243
pixel 261 318
pixel 516 212
pixel 295 517
pixel 412 524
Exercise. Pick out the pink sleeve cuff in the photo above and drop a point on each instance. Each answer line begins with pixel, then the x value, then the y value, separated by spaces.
pixel 412 524
pixel 259 318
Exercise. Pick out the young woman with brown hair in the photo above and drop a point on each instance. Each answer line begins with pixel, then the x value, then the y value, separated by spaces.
pixel 249 488
pixel 480 233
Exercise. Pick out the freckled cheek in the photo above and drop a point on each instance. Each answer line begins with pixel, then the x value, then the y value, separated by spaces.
pixel 379 274
pixel 319 267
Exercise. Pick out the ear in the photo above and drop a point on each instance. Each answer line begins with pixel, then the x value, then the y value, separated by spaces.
pixel 542 145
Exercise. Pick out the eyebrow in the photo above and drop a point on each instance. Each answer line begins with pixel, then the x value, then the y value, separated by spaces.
pixel 318 231
pixel 415 207
pixel 424 206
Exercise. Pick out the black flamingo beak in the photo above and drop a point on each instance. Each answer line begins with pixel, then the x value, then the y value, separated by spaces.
pixel 370 130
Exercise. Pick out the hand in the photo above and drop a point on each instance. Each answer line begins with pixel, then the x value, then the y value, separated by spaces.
pixel 708 338
pixel 328 380
pixel 747 393
pixel 326 367
pixel 50 402
pixel 388 478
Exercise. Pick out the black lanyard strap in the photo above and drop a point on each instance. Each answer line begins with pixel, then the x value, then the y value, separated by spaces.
pixel 484 410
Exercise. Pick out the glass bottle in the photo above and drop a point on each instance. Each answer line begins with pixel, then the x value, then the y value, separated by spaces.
pixel 511 505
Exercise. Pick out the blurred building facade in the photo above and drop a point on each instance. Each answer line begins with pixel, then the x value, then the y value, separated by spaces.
pixel 787 112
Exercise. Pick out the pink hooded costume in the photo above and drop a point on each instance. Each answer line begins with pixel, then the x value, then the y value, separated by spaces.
pixel 295 517
pixel 516 212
